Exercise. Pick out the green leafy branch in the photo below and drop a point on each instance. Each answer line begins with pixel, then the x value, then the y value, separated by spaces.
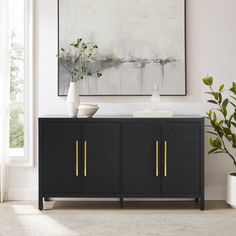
pixel 78 59
pixel 223 122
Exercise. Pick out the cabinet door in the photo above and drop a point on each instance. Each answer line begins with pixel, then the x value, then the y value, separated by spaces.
pixel 101 157
pixel 182 141
pixel 141 157
pixel 58 157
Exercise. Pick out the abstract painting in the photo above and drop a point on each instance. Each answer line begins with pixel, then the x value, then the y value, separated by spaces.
pixel 140 43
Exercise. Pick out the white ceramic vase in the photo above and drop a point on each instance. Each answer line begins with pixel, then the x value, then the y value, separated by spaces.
pixel 231 190
pixel 73 99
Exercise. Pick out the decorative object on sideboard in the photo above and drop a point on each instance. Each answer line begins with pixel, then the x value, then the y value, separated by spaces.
pixel 73 99
pixel 155 98
pixel 153 114
pixel 79 63
pixel 223 122
pixel 87 110
pixel 146 47
pixel 153 111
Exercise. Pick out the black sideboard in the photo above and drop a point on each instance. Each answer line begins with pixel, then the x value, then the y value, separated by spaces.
pixel 121 158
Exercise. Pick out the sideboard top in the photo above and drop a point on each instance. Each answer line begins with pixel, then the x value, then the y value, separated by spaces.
pixel 119 117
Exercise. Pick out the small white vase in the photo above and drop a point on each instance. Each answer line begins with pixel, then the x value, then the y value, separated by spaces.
pixel 231 190
pixel 73 99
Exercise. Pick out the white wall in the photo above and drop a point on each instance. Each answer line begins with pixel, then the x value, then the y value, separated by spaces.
pixel 211 37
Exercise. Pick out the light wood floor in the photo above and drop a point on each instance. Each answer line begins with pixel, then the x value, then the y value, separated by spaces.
pixel 108 219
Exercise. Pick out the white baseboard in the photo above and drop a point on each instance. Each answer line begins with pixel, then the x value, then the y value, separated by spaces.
pixel 23 194
pixel 216 193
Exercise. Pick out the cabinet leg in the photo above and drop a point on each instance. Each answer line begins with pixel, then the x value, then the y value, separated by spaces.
pixel 202 203
pixel 46 199
pixel 40 202
pixel 121 201
pixel 196 199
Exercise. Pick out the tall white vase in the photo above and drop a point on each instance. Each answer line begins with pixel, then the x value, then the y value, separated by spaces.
pixel 73 99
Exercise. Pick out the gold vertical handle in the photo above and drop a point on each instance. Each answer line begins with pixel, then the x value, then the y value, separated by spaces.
pixel 85 158
pixel 77 158
pixel 157 158
pixel 165 159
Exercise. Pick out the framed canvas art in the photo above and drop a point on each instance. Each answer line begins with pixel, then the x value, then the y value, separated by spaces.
pixel 141 43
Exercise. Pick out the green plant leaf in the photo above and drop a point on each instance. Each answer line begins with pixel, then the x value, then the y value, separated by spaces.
pixel 209 132
pixel 213 150
pixel 234 105
pixel 99 74
pixel 208 80
pixel 234 124
pixel 214 117
pixel 220 98
pixel 231 118
pixel 227 131
pixel 216 96
pixel 209 114
pixel 233 88
pixel 225 103
pixel 212 101
pixel 228 123
pixel 211 93
pixel 216 143
pixel 223 110
pixel 221 87
pixel 234 140
pixel 218 152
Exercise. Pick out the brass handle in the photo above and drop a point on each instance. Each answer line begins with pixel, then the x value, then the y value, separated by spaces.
pixel 165 159
pixel 77 158
pixel 157 158
pixel 85 158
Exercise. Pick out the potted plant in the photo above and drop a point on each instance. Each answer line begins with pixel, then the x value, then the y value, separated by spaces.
pixel 223 123
pixel 77 59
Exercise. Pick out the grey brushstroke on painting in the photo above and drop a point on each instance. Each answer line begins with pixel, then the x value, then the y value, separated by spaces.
pixel 126 69
pixel 137 63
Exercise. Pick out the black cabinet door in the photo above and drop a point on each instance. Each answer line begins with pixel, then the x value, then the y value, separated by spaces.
pixel 182 158
pixel 101 156
pixel 59 151
pixel 141 157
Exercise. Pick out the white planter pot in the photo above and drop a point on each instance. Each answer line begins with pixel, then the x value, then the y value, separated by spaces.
pixel 231 190
pixel 73 99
